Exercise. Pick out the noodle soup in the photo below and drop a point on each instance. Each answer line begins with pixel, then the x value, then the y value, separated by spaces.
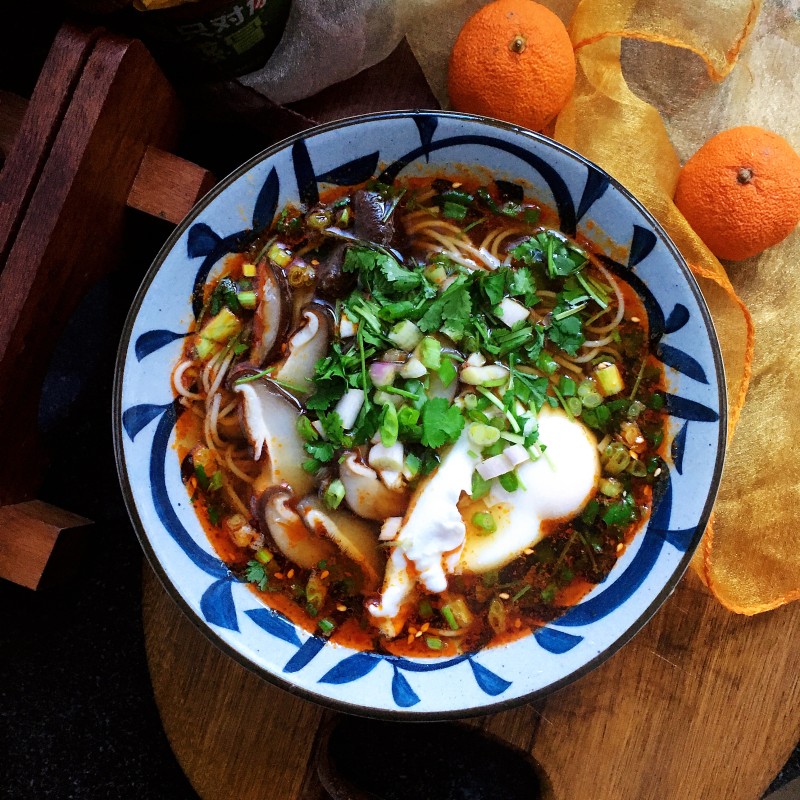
pixel 419 419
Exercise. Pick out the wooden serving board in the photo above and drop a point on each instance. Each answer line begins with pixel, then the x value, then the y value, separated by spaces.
pixel 701 705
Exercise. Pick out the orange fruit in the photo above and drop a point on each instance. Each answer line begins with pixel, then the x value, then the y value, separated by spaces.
pixel 513 60
pixel 741 192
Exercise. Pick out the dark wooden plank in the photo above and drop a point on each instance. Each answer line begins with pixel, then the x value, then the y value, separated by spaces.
pixel 24 164
pixel 73 226
pixel 12 112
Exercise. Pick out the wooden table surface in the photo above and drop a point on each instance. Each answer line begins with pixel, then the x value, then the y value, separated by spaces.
pixel 701 704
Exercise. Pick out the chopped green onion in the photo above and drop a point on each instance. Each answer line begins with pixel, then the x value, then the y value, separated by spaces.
pixel 509 481
pixel 388 425
pixel 480 486
pixel 434 643
pixel 482 435
pixel 263 555
pixel 279 255
pixel 334 494
pixel 497 616
pixel 326 626
pixel 430 352
pixel 616 458
pixel 635 408
pixel 574 406
pixel 524 590
pixel 609 378
pixel 461 612
pixel 247 299
pixel 591 400
pixel 484 520
pixel 435 273
pixel 637 468
pixel 610 487
pixel 447 613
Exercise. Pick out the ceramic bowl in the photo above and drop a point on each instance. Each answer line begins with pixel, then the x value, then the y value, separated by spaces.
pixel 347 153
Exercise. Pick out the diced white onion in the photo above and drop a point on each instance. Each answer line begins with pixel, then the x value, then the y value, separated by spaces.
pixel 494 467
pixel 349 406
pixel 318 427
pixel 413 368
pixel 382 373
pixel 383 458
pixel 476 360
pixel 347 327
pixel 511 312
pixel 491 374
pixel 516 454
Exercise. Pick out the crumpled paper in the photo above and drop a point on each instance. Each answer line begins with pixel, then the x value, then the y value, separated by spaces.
pixel 324 43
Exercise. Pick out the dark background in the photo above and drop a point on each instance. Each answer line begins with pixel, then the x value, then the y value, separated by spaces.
pixel 77 714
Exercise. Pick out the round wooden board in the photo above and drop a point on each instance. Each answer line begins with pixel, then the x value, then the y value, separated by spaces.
pixel 701 705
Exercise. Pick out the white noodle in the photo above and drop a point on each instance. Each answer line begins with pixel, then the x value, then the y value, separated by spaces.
pixel 177 381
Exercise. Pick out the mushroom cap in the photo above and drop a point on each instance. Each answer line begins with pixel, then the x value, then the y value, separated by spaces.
pixel 366 494
pixel 306 346
pixel 269 419
pixel 288 531
pixel 357 539
pixel 273 313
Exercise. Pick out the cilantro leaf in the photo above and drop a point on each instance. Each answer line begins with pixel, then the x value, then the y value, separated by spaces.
pixel 321 451
pixel 441 423
pixel 450 312
pixel 329 391
pixel 531 389
pixel 552 249
pixel 566 333
pixel 380 270
pixel 332 425
pixel 621 513
pixel 523 285
pixel 255 573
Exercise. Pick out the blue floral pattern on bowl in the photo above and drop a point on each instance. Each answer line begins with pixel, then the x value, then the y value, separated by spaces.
pixel 385 146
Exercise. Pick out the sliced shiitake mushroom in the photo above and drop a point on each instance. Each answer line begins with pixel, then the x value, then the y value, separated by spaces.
pixel 307 345
pixel 273 313
pixel 269 419
pixel 288 531
pixel 366 494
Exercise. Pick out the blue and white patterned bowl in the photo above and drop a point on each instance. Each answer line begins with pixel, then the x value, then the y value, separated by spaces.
pixel 346 153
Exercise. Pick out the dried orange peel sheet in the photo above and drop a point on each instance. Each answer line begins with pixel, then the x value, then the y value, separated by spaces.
pixel 750 556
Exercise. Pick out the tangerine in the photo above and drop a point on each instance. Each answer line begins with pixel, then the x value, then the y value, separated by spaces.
pixel 512 60
pixel 740 192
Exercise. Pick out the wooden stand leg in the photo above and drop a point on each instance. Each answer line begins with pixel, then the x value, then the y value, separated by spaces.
pixel 39 543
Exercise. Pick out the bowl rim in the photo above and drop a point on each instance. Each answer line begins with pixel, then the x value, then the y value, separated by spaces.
pixel 288 685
